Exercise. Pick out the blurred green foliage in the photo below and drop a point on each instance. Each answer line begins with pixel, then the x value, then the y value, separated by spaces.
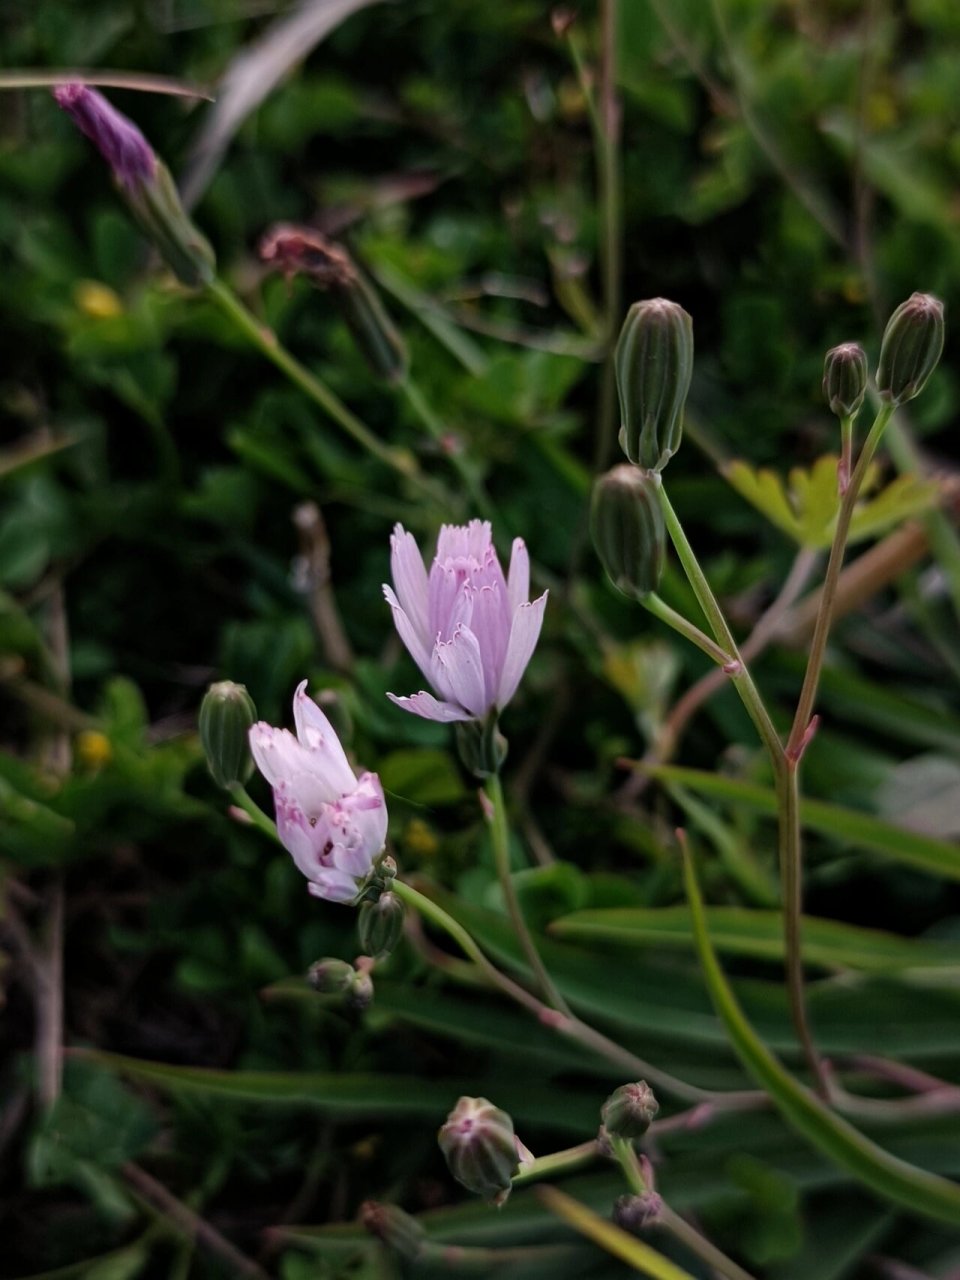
pixel 789 173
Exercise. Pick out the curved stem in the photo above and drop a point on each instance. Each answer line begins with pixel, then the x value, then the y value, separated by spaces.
pixel 500 835
pixel 269 346
pixel 684 627
pixel 258 818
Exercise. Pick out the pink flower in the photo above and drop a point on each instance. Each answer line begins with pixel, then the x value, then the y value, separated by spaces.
pixel 118 139
pixel 332 823
pixel 470 630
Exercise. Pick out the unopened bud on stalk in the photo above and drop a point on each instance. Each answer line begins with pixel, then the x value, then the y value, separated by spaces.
pixel 331 977
pixel 144 182
pixel 226 715
pixel 654 364
pixel 636 1213
pixel 380 925
pixel 480 1148
pixel 845 379
pixel 360 990
pixel 398 1230
pixel 911 348
pixel 481 746
pixel 626 523
pixel 629 1110
pixel 298 251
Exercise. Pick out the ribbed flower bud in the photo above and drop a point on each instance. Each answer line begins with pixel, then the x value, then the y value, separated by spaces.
pixel 226 714
pixel 302 251
pixel 654 364
pixel 626 523
pixel 911 348
pixel 629 1110
pixel 380 925
pixel 144 182
pixel 480 1148
pixel 331 977
pixel 636 1213
pixel 398 1230
pixel 845 379
pixel 360 990
pixel 481 746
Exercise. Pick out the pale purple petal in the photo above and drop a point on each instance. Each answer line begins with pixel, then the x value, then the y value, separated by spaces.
pixel 450 598
pixel 417 650
pixel 334 886
pixel 518 579
pixel 118 139
pixel 317 734
pixel 461 542
pixel 410 581
pixel 427 706
pixel 491 626
pixel 524 634
pixel 458 665
pixel 276 752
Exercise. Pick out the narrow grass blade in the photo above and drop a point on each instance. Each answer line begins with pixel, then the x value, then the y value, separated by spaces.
pixel 635 1253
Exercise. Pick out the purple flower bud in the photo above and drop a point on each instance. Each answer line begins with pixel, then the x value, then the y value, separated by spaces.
pixel 636 1213
pixel 118 139
pixel 480 1148
pixel 629 1110
pixel 911 348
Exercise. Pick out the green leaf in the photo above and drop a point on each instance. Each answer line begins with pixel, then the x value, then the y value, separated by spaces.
pixel 915 1189
pixel 744 932
pixel 938 857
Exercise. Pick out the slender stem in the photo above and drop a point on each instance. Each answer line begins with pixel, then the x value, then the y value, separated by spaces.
pixel 689 630
pixel 828 594
pixel 678 1227
pixel 742 680
pixel 269 345
pixel 567 1161
pixel 500 835
pixel 253 811
pixel 568 1024
pixel 607 144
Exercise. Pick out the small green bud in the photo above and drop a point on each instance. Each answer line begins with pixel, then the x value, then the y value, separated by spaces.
pixel 628 531
pixel 481 746
pixel 380 925
pixel 629 1110
pixel 911 348
pixel 227 714
pixel 360 990
pixel 303 251
pixel 331 977
pixel 845 379
pixel 480 1148
pixel 636 1213
pixel 398 1230
pixel 654 365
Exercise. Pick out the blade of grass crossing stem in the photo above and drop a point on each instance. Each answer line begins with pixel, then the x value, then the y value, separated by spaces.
pixel 904 1184
pixel 633 1252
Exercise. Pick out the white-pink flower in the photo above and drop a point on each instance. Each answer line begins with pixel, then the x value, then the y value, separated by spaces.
pixel 469 630
pixel 333 823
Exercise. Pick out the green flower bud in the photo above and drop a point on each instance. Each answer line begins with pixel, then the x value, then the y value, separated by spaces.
pixel 654 364
pixel 845 379
pixel 911 348
pixel 629 1110
pixel 226 716
pixel 360 990
pixel 380 925
pixel 480 1148
pixel 303 251
pixel 628 531
pixel 331 977
pixel 481 746
pixel 636 1213
pixel 398 1230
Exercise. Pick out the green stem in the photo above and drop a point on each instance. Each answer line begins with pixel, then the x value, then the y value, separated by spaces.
pixel 660 609
pixel 253 811
pixel 567 1161
pixel 742 680
pixel 678 1227
pixel 500 835
pixel 269 346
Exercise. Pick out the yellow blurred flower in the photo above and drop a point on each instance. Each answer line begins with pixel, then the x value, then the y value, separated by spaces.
pixel 420 840
pixel 96 300
pixel 93 749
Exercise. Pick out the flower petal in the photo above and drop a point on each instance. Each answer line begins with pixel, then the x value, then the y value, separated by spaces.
pixel 417 649
pixel 491 625
pixel 524 634
pixel 426 705
pixel 458 667
pixel 276 752
pixel 318 735
pixel 410 581
pixel 334 886
pixel 518 578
